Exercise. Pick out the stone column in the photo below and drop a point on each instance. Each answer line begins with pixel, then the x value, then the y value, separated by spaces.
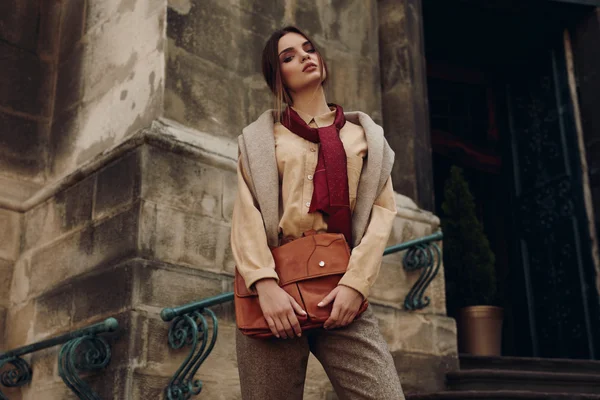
pixel 404 98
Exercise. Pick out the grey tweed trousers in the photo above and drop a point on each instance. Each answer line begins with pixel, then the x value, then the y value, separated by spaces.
pixel 356 359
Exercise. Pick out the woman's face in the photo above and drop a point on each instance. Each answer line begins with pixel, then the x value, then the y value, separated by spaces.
pixel 299 62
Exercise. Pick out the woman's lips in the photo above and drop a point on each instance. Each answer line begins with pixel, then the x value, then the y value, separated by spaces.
pixel 308 66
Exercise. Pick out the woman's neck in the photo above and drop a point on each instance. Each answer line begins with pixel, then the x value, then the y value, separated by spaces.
pixel 311 102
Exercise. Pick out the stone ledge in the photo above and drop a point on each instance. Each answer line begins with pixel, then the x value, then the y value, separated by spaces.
pixel 162 133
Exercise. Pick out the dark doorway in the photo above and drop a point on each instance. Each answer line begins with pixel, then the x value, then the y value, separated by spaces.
pixel 500 108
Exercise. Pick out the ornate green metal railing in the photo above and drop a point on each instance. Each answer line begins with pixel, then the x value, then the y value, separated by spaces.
pixel 423 254
pixel 83 350
pixel 190 327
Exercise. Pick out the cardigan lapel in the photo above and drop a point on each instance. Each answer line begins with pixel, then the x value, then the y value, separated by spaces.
pixel 376 170
pixel 257 145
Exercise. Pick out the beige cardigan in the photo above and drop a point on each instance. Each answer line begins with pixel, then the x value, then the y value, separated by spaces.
pixel 257 146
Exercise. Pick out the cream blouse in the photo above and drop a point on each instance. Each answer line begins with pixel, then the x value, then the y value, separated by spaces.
pixel 296 162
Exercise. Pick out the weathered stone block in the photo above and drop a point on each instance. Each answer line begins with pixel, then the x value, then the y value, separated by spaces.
pixel 3 325
pixel 112 240
pixel 228 262
pixel 118 184
pixel 74 204
pixel 146 386
pixel 205 31
pixel 229 194
pixel 107 292
pixel 26 81
pixel 53 313
pixel 67 210
pixel 127 343
pixel 65 127
pixel 21 152
pixel 18 23
pixel 19 325
pixel 212 101
pixel 10 234
pixel 21 275
pixel 48 40
pixel 109 60
pixel 52 391
pixel 363 95
pixel 69 82
pixel 45 364
pixel 161 287
pixel 182 183
pixel 107 385
pixel 187 239
pixel 73 21
pixel 419 333
pixel 122 89
pixel 99 12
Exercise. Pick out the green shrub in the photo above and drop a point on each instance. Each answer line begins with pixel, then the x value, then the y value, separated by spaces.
pixel 469 263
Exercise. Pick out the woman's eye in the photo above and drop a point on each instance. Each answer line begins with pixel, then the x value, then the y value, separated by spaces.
pixel 287 59
pixel 311 50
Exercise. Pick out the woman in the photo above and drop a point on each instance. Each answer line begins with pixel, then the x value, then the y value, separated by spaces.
pixel 290 183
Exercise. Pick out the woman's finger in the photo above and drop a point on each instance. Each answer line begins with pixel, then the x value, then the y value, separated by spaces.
pixel 272 326
pixel 280 328
pixel 329 298
pixel 297 307
pixel 295 324
pixel 288 327
pixel 333 319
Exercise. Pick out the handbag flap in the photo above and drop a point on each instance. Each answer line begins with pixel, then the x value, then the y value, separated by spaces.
pixel 308 257
pixel 311 257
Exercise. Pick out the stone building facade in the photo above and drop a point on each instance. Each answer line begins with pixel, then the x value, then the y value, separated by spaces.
pixel 117 178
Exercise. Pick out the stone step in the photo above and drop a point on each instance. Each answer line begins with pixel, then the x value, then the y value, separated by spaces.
pixel 470 362
pixel 534 381
pixel 501 395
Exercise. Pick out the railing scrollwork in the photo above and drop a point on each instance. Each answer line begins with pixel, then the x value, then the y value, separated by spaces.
pixel 82 350
pixel 190 327
pixel 421 254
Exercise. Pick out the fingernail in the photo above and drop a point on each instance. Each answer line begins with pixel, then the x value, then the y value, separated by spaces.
pixel 303 312
pixel 277 336
pixel 299 335
pixel 320 304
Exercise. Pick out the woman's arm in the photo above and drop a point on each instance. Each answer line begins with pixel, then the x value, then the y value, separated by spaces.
pixel 248 237
pixel 364 263
pixel 256 265
pixel 365 260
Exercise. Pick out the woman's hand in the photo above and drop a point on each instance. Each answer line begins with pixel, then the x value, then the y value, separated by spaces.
pixel 346 303
pixel 279 309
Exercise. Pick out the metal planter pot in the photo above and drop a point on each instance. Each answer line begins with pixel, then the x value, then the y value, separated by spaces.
pixel 480 330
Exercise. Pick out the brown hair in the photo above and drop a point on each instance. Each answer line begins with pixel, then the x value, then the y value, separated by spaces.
pixel 272 71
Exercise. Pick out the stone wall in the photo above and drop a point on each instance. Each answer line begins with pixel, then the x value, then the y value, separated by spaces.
pixel 27 76
pixel 404 98
pixel 214 81
pixel 110 77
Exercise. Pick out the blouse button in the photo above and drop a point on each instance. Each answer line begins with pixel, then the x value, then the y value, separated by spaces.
pixel 313 149
pixel 307 204
pixel 310 177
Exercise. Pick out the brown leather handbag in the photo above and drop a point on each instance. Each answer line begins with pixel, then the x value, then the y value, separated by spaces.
pixel 308 268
